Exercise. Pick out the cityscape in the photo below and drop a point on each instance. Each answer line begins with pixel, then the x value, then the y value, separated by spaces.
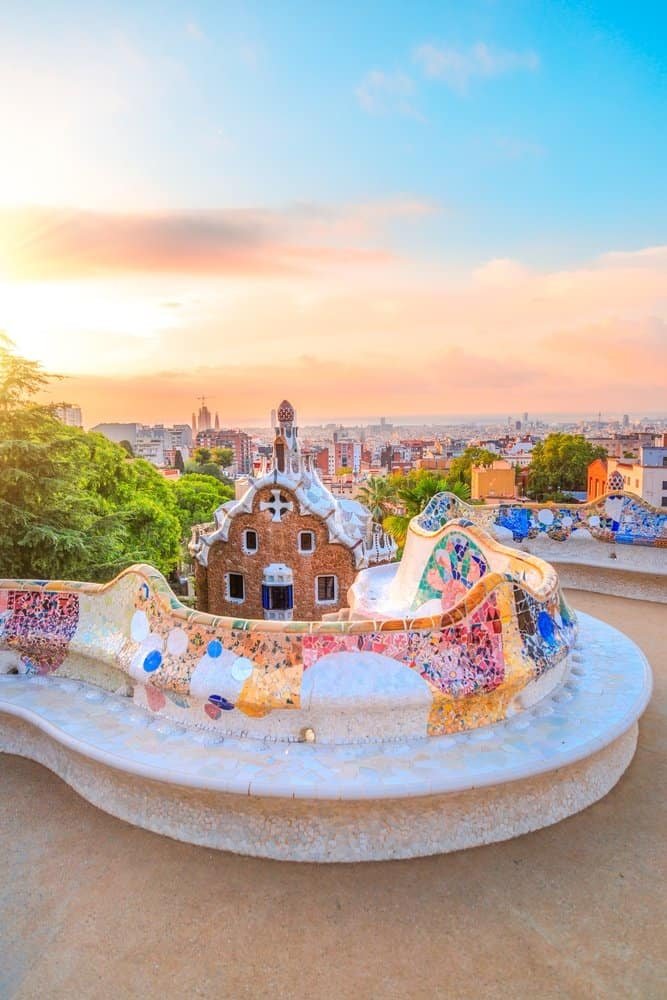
pixel 346 456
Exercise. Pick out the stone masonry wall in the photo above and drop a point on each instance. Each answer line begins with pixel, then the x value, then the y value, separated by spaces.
pixel 277 543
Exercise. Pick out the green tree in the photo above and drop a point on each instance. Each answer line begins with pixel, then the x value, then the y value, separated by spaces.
pixel 202 455
pixel 208 469
pixel 223 456
pixel 560 463
pixel 178 461
pixel 413 493
pixel 72 505
pixel 128 448
pixel 378 494
pixel 197 498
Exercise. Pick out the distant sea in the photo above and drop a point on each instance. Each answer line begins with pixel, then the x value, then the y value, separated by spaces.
pixel 448 419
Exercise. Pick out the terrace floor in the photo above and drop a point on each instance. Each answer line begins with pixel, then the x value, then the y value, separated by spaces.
pixel 92 907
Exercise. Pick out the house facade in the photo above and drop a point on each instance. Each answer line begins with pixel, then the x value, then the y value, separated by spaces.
pixel 286 548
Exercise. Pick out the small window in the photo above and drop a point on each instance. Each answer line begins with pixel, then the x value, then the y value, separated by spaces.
pixel 664 484
pixel 277 598
pixel 236 587
pixel 326 589
pixel 664 502
pixel 306 541
pixel 250 543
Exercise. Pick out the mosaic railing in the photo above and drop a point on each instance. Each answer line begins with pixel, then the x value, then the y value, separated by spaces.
pixel 614 517
pixel 498 634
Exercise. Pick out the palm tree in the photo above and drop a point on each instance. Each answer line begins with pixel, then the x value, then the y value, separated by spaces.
pixel 379 496
pixel 414 495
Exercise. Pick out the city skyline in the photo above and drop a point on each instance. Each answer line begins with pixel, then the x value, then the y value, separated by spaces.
pixel 385 210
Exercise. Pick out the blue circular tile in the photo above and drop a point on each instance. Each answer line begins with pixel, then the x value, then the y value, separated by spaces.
pixel 214 648
pixel 152 660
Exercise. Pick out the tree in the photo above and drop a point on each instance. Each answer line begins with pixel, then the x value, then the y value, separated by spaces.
pixel 202 455
pixel 208 469
pixel 560 464
pixel 128 448
pixel 72 505
pixel 197 498
pixel 413 493
pixel 178 461
pixel 378 495
pixel 223 456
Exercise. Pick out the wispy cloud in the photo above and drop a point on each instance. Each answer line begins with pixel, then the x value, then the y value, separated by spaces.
pixel 382 93
pixel 50 243
pixel 458 67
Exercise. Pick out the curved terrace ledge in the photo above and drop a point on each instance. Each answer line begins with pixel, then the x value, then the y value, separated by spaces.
pixel 485 711
pixel 504 635
pixel 342 803
pixel 615 517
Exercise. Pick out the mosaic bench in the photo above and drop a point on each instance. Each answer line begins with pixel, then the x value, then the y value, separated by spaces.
pixel 351 739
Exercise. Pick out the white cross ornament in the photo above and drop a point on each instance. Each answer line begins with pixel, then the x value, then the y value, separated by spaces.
pixel 277 506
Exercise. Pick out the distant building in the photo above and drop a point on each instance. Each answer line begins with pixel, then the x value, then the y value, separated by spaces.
pixel 154 442
pixel 235 439
pixel 204 420
pixel 286 547
pixel 68 414
pixel 494 481
pixel 519 453
pixel 623 445
pixel 118 432
pixel 646 476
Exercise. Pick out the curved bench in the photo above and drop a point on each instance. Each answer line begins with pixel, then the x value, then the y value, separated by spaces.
pixel 465 666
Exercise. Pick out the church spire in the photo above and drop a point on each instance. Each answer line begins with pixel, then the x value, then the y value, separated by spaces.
pixel 286 452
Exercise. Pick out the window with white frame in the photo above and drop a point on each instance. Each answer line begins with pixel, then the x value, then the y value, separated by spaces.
pixel 236 587
pixel 250 541
pixel 306 542
pixel 326 589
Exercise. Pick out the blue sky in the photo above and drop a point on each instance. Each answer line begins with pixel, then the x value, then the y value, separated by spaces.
pixel 448 135
pixel 257 103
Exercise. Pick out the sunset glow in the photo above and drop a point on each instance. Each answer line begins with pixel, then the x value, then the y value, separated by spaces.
pixel 369 211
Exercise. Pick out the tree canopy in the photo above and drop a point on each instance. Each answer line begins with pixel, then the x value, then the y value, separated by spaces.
pixel 378 494
pixel 223 456
pixel 73 504
pixel 412 494
pixel 197 497
pixel 560 463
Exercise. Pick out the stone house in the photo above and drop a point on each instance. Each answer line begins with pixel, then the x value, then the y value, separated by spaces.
pixel 287 548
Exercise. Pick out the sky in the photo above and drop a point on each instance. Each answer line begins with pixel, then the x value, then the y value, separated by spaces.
pixel 368 208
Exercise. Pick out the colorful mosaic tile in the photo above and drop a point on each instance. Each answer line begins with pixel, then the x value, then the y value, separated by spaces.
pixel 615 517
pixel 39 626
pixel 503 624
pixel 455 565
